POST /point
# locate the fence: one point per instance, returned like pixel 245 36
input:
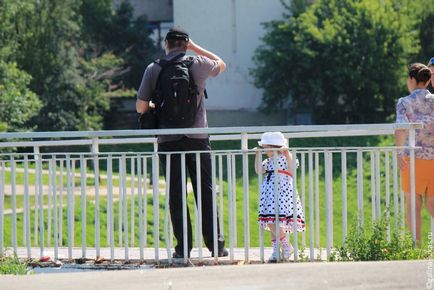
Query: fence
pixel 104 200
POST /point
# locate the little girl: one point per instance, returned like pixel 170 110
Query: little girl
pixel 267 213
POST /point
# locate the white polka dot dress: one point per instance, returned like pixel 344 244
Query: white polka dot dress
pixel 267 213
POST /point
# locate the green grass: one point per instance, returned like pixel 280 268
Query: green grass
pixel 11 265
pixel 254 229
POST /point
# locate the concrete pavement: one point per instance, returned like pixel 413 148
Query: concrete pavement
pixel 318 275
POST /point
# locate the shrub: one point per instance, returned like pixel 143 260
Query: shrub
pixel 372 245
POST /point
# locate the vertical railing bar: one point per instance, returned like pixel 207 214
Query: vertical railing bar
pixel 49 209
pixel 344 195
pixel 145 200
pixel 246 204
pixel 140 205
pixel 133 212
pixel 120 200
pixel 234 196
pixel 360 187
pixel 295 200
pixel 41 208
pixel 61 202
pixel 261 228
pixel 311 208
pixel 303 192
pixel 198 221
pixel 125 206
pixel 14 205
pixel 387 173
pixel 378 184
pixel 83 205
pixel 36 205
pixel 69 198
pixel 97 213
pixel 26 208
pixel 276 206
pixel 412 143
pixel 395 189
pixel 230 208
pixel 214 206
pixel 220 210
pixel 184 210
pixel 328 204
pixel 373 187
pixel 2 202
pixel 110 219
pixel 73 199
pixel 156 203
pixel 317 213
pixel 55 212
pixel 166 209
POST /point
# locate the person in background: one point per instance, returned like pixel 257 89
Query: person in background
pixel 204 65
pixel 430 65
pixel 417 107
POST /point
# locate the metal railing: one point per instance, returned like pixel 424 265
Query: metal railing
pixel 105 200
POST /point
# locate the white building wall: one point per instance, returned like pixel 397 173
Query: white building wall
pixel 231 29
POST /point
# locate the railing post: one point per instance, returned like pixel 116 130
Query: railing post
pixel 329 201
pixel 360 187
pixel 311 207
pixel 412 144
pixel 156 203
pixel 244 148
pixel 2 200
pixel 344 195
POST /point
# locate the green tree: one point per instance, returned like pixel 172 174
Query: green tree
pixel 119 33
pixel 73 53
pixel 342 60
pixel 17 103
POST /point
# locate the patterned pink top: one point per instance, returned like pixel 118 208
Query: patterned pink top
pixel 418 107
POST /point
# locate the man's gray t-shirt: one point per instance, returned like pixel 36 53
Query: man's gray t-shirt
pixel 201 69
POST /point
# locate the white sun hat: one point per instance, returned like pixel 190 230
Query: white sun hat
pixel 273 138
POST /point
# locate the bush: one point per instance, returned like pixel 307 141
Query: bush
pixel 12 266
pixel 372 245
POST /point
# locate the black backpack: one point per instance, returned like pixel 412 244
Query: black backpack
pixel 175 94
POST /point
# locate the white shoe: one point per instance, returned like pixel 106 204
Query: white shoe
pixel 287 251
pixel 273 257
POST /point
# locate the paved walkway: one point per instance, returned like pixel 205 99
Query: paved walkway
pixel 319 275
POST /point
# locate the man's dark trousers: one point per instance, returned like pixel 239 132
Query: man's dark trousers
pixel 175 201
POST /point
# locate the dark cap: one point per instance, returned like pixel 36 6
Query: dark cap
pixel 177 33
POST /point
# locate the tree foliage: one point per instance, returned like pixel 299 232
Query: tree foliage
pixel 342 60
pixel 70 53
pixel 17 103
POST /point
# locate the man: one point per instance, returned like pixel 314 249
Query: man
pixel 204 65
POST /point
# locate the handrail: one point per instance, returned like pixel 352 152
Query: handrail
pixel 215 130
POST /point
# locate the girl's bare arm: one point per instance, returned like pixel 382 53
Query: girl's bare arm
pixel 288 156
pixel 258 166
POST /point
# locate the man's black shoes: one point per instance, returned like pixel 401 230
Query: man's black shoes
pixel 223 252
pixel 178 256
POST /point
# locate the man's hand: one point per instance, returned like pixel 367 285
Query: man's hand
pixel 191 45
pixel 203 52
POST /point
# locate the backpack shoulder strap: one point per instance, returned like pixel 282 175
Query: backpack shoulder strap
pixel 164 63
pixel 188 61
